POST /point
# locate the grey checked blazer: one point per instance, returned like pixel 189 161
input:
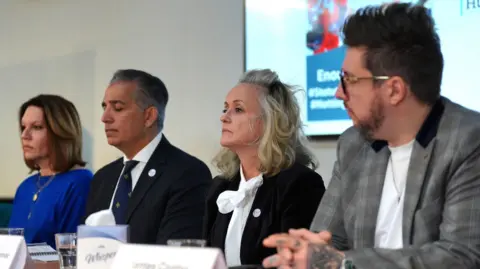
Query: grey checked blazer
pixel 441 217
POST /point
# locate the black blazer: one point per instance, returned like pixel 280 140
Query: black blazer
pixel 287 200
pixel 169 205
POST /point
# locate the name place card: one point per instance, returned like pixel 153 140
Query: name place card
pixel 13 253
pixel 134 256
pixel 97 246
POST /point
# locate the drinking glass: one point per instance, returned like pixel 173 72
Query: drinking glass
pixel 11 231
pixel 67 250
pixel 187 242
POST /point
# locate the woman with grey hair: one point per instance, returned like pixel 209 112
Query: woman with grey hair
pixel 268 182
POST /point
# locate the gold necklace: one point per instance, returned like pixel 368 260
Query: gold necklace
pixel 40 188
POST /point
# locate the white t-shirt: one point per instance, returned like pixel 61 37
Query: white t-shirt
pixel 388 232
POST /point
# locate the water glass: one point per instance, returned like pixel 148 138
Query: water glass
pixel 187 242
pixel 67 250
pixel 11 231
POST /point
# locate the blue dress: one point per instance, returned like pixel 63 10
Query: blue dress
pixel 59 207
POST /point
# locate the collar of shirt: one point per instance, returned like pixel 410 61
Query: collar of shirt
pixel 243 181
pixel 144 154
pixel 142 157
pixel 428 130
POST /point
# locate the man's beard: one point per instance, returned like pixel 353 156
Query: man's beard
pixel 368 127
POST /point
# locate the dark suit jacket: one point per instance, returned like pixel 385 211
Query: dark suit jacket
pixel 169 205
pixel 441 213
pixel 287 200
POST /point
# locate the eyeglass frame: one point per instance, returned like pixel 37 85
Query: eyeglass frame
pixel 354 79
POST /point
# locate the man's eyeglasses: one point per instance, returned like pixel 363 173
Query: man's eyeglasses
pixel 347 79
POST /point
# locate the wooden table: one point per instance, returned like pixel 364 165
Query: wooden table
pixel 46 265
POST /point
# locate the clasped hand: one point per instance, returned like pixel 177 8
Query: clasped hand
pixel 297 248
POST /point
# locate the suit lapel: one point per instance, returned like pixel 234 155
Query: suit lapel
pixel 107 189
pixel 252 232
pixel 371 194
pixel 413 189
pixel 223 220
pixel 156 163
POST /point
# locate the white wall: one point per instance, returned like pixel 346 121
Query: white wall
pixel 72 48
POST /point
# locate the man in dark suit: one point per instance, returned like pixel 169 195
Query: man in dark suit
pixel 155 188
pixel 405 189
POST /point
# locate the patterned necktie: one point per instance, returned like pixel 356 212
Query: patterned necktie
pixel 124 190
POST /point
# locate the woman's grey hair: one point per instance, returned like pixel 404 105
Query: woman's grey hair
pixel 151 91
pixel 283 142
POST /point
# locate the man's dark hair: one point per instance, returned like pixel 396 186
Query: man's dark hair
pixel 151 90
pixel 400 40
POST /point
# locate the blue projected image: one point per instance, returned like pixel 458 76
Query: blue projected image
pixel 300 39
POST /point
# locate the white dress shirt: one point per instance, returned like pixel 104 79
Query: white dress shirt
pixel 388 232
pixel 240 202
pixel 142 157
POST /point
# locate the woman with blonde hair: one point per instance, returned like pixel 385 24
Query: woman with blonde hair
pixel 268 182
pixel 52 200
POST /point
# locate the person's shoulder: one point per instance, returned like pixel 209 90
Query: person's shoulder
pixel 78 178
pixel 30 180
pixel 189 171
pixel 220 181
pixel 299 173
pixel 457 118
pixel 219 184
pixel 118 163
pixel 180 157
pixel 351 137
pixel 301 170
pixel 461 125
pixel 80 174
pixel 350 143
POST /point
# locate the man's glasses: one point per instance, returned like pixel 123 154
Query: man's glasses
pixel 347 79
